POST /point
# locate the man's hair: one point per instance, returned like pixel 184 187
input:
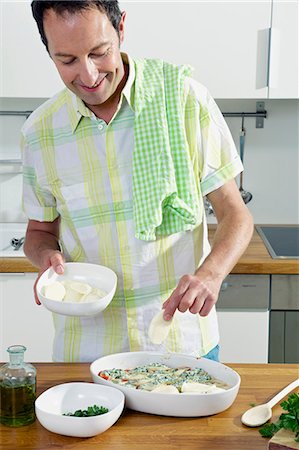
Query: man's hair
pixel 108 7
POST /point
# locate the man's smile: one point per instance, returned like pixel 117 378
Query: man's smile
pixel 94 87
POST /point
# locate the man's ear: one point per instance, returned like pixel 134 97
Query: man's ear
pixel 121 27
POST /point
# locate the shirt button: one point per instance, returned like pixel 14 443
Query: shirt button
pixel 100 126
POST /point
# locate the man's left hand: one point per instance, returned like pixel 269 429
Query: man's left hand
pixel 196 293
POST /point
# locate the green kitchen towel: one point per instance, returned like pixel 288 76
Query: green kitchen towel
pixel 165 195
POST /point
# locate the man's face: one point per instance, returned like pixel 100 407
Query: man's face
pixel 86 51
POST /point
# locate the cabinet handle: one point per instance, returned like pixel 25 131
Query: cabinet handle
pixel 274 59
pixel 224 286
pixel 262 64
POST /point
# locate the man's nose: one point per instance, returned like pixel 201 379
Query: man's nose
pixel 88 73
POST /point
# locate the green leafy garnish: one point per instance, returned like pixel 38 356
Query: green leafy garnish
pixel 90 411
pixel 252 404
pixel 269 429
pixel 288 420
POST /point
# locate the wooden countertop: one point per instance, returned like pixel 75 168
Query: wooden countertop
pixel 135 431
pixel 255 260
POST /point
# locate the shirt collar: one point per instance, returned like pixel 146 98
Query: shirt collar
pixel 128 90
pixel 77 108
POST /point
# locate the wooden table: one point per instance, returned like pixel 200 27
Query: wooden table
pixel 139 431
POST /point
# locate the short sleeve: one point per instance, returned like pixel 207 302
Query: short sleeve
pixel 38 202
pixel 218 159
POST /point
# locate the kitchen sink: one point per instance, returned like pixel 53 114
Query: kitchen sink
pixel 282 241
pixel 9 231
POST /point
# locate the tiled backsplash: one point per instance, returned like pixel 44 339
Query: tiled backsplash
pixel 271 159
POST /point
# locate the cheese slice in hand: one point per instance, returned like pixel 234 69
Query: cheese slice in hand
pixel 55 291
pixel 159 328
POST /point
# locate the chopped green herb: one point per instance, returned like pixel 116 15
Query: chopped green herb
pixel 269 429
pixel 288 420
pixel 252 404
pixel 89 412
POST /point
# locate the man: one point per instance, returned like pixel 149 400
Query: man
pixel 106 182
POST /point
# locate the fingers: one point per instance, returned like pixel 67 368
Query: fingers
pixel 34 289
pixel 172 303
pixel 191 294
pixel 57 262
pixel 54 259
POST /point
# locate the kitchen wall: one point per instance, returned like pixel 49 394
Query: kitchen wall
pixel 271 159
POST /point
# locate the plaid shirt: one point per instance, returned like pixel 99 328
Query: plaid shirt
pixel 79 168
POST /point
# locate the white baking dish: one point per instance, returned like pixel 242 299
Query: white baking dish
pixel 179 405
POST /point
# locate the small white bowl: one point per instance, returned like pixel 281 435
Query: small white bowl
pixel 178 405
pixel 69 397
pixel 97 276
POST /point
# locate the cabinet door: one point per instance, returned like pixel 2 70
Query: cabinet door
pixel 226 42
pixel 284 344
pixel 283 71
pixel 243 336
pixel 26 68
pixel 285 292
pixel 22 321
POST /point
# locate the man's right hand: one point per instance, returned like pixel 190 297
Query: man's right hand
pixel 42 247
pixel 49 258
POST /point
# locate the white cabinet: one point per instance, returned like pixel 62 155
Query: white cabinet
pixel 244 336
pixel 26 68
pixel 243 316
pixel 284 50
pixel 22 321
pixel 227 42
pixel 224 41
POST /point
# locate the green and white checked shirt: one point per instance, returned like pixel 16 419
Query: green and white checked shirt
pixel 78 167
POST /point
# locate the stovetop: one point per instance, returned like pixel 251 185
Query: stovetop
pixel 282 241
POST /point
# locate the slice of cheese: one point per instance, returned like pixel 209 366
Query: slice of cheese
pixel 94 295
pixel 159 328
pixel 72 292
pixel 191 387
pixel 76 291
pixel 166 389
pixel 55 291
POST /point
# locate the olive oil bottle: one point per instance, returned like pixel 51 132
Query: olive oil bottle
pixel 17 389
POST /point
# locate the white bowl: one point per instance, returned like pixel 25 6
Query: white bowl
pixel 69 397
pixel 97 276
pixel 178 405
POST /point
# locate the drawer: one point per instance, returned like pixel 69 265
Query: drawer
pixel 245 292
pixel 285 292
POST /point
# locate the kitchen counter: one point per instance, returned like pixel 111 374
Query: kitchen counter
pixel 255 260
pixel 135 431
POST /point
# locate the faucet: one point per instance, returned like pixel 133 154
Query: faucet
pixel 17 243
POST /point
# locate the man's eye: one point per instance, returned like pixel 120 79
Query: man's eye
pixel 97 55
pixel 68 62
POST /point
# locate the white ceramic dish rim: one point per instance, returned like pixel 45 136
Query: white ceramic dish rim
pixel 166 356
pixel 53 276
pixel 73 308
pixel 177 405
pixel 48 391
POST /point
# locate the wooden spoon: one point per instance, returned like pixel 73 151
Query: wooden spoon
pixel 258 415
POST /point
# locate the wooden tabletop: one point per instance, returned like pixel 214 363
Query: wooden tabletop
pixel 255 260
pixel 140 431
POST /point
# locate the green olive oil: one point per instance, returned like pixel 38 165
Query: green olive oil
pixel 17 389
